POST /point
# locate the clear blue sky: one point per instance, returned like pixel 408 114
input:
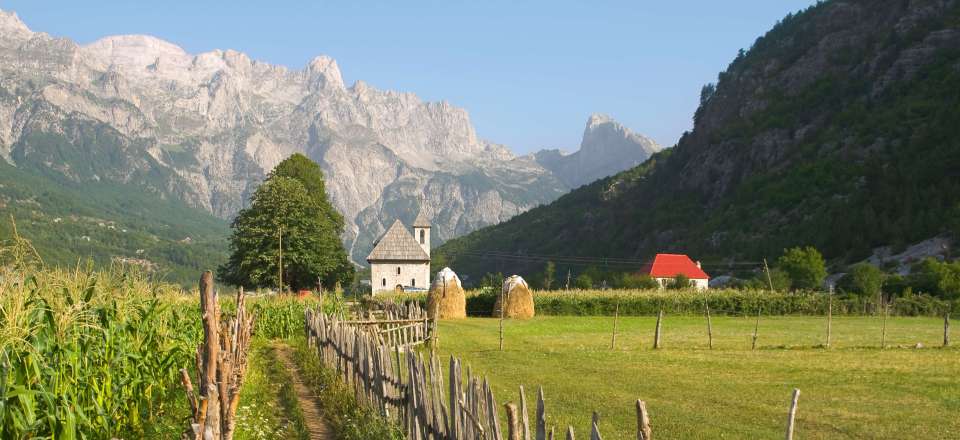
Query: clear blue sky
pixel 529 72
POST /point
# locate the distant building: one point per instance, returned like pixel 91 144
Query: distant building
pixel 400 261
pixel 665 267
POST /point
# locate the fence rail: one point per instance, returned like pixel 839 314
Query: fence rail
pixel 387 373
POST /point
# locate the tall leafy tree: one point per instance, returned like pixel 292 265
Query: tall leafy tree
pixel 290 209
pixel 804 266
pixel 308 173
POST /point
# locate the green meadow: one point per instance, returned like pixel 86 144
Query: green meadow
pixel 854 389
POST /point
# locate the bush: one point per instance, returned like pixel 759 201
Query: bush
pixel 690 302
pixel 639 281
pixel 583 281
pixel 863 279
pixel 937 278
pixel 680 282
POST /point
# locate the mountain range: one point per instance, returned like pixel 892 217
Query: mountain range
pixel 836 129
pixel 202 131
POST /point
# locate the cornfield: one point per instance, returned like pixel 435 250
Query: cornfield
pixel 85 353
pixel 93 354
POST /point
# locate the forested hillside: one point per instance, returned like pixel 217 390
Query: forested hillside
pixel 108 224
pixel 837 129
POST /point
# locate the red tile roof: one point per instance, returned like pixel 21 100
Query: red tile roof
pixel 671 265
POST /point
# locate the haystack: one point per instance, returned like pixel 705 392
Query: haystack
pixel 447 299
pixel 518 299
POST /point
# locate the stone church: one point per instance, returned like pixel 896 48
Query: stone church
pixel 399 260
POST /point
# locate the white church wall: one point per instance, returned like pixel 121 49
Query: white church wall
pixel 384 276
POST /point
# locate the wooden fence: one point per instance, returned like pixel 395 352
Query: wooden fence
pixel 388 374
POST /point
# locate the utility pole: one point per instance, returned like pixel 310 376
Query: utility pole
pixel 280 268
pixel 767 270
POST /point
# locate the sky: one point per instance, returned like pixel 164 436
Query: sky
pixel 529 73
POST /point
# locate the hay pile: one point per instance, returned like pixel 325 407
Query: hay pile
pixel 446 299
pixel 518 299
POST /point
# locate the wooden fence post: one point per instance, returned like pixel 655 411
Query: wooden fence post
pixel 209 392
pixel 706 305
pixel 221 362
pixel 524 418
pixel 643 422
pixel 513 422
pixel 792 415
pixel 656 334
pixel 756 328
pixel 946 329
pixel 616 317
pixel 595 431
pixel 541 417
pixel 830 317
pixel 883 328
pixel 503 305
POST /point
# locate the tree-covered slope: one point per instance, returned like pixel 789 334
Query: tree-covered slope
pixel 72 223
pixel 837 129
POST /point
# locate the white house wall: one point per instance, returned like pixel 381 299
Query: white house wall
pixel 697 283
pixel 384 277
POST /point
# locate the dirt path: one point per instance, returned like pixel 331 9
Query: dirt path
pixel 312 413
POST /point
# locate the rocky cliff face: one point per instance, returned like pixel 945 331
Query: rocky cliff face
pixel 206 129
pixel 607 148
pixel 836 129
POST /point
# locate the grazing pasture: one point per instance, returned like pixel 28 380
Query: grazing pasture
pixel 852 390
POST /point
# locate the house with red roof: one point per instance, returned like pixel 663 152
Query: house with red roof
pixel 665 267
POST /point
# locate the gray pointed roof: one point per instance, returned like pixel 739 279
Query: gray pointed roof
pixel 421 221
pixel 397 244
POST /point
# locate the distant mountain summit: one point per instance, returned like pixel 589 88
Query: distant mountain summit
pixel 141 112
pixel 607 148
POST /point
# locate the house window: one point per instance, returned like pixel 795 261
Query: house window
pixel 384 282
pixel 398 270
pixel 423 235
pixel 413 282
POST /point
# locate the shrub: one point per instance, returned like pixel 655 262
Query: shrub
pixel 690 302
pixel 937 278
pixel 680 282
pixel 639 281
pixel 863 279
pixel 583 281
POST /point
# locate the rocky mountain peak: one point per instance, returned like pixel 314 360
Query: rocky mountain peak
pixel 606 149
pixel 604 135
pixel 12 26
pixel 598 119
pixel 134 51
pixel 324 72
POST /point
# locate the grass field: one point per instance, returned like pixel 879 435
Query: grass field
pixel 853 390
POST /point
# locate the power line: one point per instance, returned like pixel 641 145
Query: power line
pixel 579 260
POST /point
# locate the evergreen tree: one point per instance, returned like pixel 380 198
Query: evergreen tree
pixel 291 208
